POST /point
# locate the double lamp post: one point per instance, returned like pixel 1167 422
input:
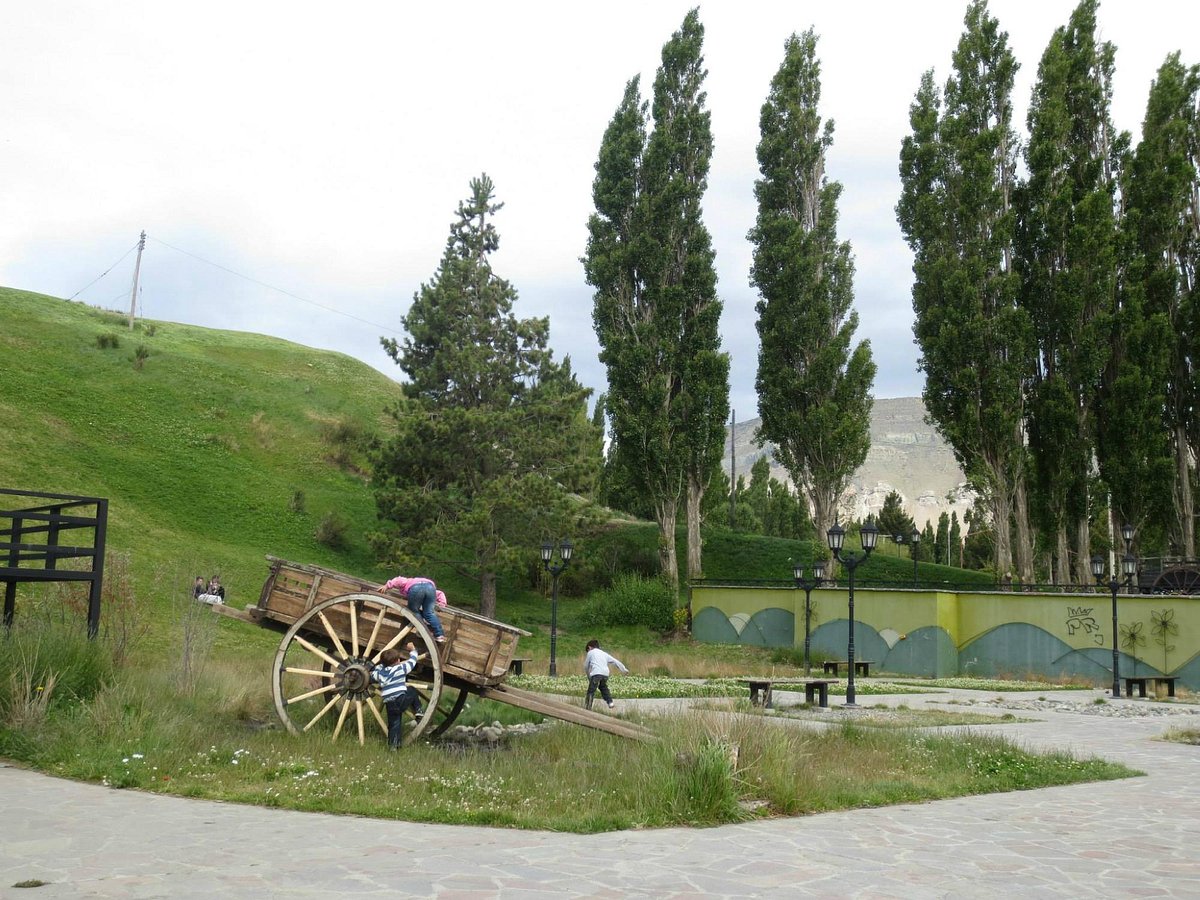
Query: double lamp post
pixel 1128 569
pixel 869 535
pixel 555 569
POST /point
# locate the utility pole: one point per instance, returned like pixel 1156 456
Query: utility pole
pixel 137 269
pixel 732 470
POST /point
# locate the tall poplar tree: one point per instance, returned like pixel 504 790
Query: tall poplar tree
pixel 958 171
pixel 656 311
pixel 1067 259
pixel 494 436
pixel 1163 227
pixel 813 391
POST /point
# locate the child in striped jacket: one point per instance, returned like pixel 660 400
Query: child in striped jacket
pixel 391 675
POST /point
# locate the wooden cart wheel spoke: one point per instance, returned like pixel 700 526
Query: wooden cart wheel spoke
pixel 401 635
pixel 374 634
pixel 305 696
pixel 378 717
pixel 326 708
pixel 447 712
pixel 341 718
pixel 311 648
pixel 317 673
pixel 332 633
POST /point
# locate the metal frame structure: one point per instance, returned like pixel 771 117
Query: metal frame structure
pixel 22 527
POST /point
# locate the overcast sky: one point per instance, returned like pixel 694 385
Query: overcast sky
pixel 322 149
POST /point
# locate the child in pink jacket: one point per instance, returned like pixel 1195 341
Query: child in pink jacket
pixel 423 598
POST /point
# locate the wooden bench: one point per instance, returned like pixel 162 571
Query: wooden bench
pixel 861 666
pixel 815 689
pixel 1142 680
pixel 517 664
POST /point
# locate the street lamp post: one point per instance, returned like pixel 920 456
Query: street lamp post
pixel 914 539
pixel 836 536
pixel 807 585
pixel 564 554
pixel 1128 569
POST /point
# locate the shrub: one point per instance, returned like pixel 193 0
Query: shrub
pixel 45 662
pixel 140 355
pixel 296 504
pixel 331 531
pixel 634 600
pixel 108 341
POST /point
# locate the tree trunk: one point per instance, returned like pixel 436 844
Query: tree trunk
pixel 667 512
pixel 1024 546
pixel 1062 565
pixel 1002 527
pixel 1183 495
pixel 695 496
pixel 487 594
pixel 824 513
pixel 1083 551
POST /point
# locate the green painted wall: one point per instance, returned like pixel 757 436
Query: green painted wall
pixel 943 633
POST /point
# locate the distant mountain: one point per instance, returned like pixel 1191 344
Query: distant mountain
pixel 907 456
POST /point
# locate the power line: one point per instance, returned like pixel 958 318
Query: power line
pixel 102 274
pixel 272 287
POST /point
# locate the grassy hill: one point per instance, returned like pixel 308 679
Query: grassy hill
pixel 203 448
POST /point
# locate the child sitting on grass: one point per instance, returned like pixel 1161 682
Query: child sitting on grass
pixel 391 675
pixel 595 664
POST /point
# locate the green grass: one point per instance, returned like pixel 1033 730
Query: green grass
pixel 1181 735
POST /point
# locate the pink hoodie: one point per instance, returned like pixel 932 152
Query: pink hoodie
pixel 402 584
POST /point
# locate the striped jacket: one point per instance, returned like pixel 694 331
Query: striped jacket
pixel 392 679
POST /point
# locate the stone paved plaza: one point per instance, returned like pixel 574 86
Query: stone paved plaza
pixel 1136 837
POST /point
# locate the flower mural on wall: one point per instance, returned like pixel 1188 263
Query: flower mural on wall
pixel 1163 626
pixel 1131 639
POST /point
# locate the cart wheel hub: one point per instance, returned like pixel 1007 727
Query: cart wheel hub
pixel 354 678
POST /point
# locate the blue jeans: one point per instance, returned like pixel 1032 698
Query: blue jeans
pixel 395 712
pixel 422 599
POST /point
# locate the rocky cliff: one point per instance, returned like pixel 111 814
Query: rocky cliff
pixel 907 456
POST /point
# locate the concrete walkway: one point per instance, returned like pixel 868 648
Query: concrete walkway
pixel 1137 837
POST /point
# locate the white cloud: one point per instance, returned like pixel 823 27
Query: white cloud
pixel 323 149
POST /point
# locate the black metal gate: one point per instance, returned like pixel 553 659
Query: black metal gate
pixel 32 547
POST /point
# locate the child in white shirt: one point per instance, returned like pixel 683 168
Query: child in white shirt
pixel 595 664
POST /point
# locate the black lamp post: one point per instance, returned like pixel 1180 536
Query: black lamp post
pixel 914 539
pixel 836 536
pixel 1128 569
pixel 807 585
pixel 564 554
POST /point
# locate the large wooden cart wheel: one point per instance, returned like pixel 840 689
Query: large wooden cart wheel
pixel 321 676
pixel 1182 579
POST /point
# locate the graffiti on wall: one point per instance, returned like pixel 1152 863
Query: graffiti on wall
pixel 1080 618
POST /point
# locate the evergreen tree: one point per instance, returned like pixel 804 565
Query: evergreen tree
pixel 893 520
pixel 758 495
pixel 940 551
pixel 1163 302
pixel 813 391
pixel 656 312
pixel 1067 259
pixel 494 435
pixel 958 170
pixel 955 541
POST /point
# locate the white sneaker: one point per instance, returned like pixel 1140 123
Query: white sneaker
pixel 612 706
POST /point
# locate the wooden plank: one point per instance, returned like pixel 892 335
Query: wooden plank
pixel 222 610
pixel 556 709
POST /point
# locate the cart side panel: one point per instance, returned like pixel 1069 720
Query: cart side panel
pixel 477 649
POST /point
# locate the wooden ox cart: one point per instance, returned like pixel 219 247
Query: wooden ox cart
pixel 335 627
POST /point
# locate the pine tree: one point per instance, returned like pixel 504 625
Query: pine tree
pixel 813 391
pixel 940 543
pixel 958 171
pixel 494 435
pixel 893 521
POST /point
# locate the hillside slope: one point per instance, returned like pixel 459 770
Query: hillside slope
pixel 202 450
